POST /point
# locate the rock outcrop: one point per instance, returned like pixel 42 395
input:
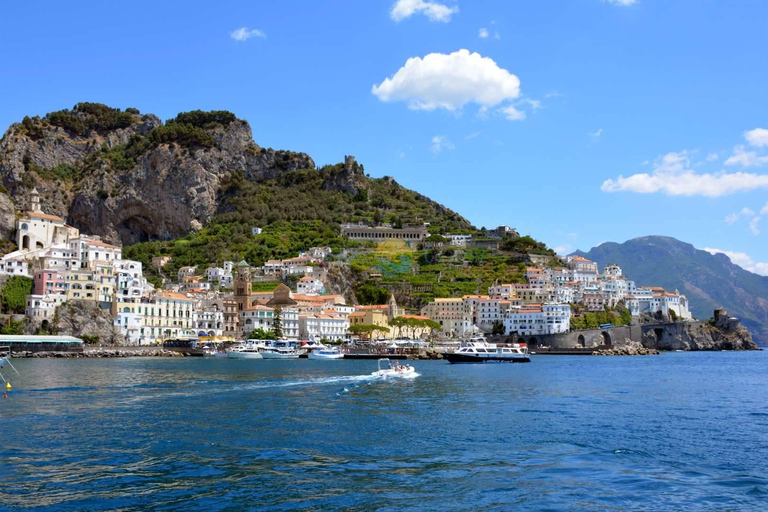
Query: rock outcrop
pixel 722 333
pixel 80 318
pixel 127 183
pixel 628 348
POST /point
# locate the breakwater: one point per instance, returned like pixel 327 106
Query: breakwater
pixel 103 352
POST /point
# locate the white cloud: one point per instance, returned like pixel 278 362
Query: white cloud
pixel 245 33
pixel 712 157
pixel 764 211
pixel 433 10
pixel 483 33
pixel 757 137
pixel 746 158
pixel 477 134
pixel 596 134
pixel 449 81
pixel 534 104
pixel 440 143
pixel 554 94
pixel 673 175
pixel 745 212
pixel 511 113
pixel 496 35
pixel 754 225
pixel 563 249
pixel 623 3
pixel 743 260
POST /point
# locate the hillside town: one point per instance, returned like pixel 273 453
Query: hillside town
pixel 220 304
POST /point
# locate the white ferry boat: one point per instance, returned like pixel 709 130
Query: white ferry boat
pixel 477 350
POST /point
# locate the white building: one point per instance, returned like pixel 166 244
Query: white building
pixel 186 272
pixel 323 326
pixel 129 325
pixel 459 240
pixel 43 307
pixel 653 300
pixel 310 286
pixel 532 320
pixel 15 267
pixel 210 322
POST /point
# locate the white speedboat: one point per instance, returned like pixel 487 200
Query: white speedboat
pixel 476 351
pixel 389 369
pixel 326 353
pixel 244 351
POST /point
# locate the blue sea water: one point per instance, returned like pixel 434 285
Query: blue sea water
pixel 680 431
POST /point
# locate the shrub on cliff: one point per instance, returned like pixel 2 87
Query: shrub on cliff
pixel 203 119
pixel 187 135
pixel 14 293
pixel 90 116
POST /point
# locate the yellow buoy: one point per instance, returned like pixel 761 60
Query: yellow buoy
pixel 8 385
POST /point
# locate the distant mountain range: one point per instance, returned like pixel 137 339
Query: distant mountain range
pixel 708 280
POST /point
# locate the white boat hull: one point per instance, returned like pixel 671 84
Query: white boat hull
pixel 313 355
pixel 388 373
pixel 268 354
pixel 244 355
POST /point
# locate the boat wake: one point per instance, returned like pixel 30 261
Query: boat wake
pixel 309 381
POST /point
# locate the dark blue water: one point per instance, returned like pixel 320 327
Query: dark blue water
pixel 677 431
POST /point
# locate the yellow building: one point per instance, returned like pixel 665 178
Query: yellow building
pixel 82 285
pixel 377 317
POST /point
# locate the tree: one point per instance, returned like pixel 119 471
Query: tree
pixel 14 294
pixel 261 334
pixel 498 328
pixel 277 323
pixel 398 322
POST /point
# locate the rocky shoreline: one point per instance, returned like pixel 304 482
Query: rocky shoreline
pixel 102 353
pixel 634 349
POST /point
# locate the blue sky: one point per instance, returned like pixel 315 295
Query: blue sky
pixel 577 122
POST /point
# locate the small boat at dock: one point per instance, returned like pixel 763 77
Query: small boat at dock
pixel 325 354
pixel 244 351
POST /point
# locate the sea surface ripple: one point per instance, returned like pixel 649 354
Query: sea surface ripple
pixel 680 431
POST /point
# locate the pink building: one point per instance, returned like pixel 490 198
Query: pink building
pixel 49 282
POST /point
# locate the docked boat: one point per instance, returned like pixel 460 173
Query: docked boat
pixel 479 351
pixel 280 353
pixel 244 351
pixel 388 369
pixel 325 353
pixel 280 349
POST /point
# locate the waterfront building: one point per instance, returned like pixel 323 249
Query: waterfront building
pixel 449 313
pixel 323 326
pixel 536 319
pixel 168 315
pixel 255 317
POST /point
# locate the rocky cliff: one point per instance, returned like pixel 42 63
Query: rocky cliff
pixel 128 177
pixel 85 318
pixel 728 335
